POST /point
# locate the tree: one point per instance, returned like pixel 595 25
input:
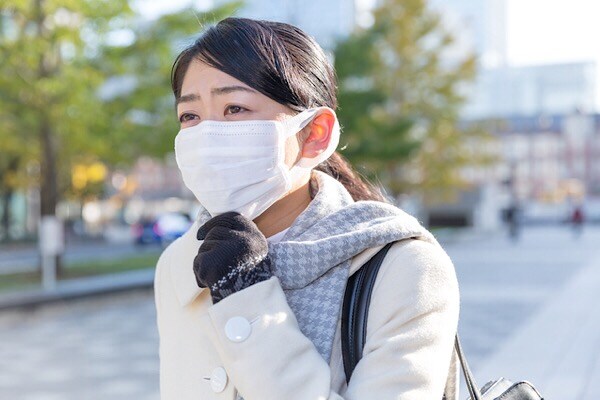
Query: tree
pixel 400 96
pixel 49 98
pixel 57 59
pixel 145 114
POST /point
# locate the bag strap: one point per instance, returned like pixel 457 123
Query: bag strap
pixel 472 387
pixel 355 312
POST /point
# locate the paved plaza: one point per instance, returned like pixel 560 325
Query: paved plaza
pixel 84 350
pixel 106 348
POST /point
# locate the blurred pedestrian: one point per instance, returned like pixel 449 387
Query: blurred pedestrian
pixel 248 300
pixel 577 219
pixel 512 219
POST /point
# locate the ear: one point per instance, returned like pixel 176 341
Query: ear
pixel 320 134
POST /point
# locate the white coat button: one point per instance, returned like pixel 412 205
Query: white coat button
pixel 237 329
pixel 218 380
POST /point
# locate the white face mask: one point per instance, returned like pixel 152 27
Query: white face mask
pixel 240 166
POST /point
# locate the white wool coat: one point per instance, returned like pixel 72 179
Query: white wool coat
pixel 206 354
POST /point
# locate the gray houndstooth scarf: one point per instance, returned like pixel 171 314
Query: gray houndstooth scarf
pixel 313 258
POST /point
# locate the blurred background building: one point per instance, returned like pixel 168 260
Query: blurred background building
pixel 545 117
pixel 479 25
pixel 534 90
pixel 327 21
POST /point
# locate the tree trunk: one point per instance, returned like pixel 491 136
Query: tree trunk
pixel 6 200
pixel 48 174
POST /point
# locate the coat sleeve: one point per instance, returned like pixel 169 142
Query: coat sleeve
pixel 411 328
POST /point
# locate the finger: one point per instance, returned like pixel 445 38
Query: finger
pixel 229 219
pixel 198 271
pixel 224 234
pixel 208 244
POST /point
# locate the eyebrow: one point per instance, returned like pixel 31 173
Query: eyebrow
pixel 186 98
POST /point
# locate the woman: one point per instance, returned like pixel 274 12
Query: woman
pixel 248 300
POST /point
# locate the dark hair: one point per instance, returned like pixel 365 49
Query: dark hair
pixel 281 62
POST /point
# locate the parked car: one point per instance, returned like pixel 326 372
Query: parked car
pixel 161 230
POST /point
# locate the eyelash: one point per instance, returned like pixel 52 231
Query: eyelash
pixel 234 106
pixel 184 117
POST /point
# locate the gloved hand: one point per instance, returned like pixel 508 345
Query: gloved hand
pixel 233 256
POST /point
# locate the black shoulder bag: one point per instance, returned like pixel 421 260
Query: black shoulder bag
pixel 354 332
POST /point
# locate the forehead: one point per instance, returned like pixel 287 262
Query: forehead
pixel 201 77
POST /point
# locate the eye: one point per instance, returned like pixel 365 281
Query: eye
pixel 234 110
pixel 186 117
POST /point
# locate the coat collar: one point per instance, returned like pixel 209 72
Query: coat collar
pixel 184 250
pixel 181 263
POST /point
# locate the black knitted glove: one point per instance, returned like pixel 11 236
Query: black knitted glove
pixel 233 256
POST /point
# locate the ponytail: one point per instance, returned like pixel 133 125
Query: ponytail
pixel 359 188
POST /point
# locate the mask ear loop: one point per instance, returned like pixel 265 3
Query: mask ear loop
pixel 299 121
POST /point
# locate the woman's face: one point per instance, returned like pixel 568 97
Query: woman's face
pixel 210 94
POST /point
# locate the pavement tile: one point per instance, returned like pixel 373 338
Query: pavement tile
pixel 558 348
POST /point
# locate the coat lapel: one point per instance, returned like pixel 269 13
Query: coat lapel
pixel 181 266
